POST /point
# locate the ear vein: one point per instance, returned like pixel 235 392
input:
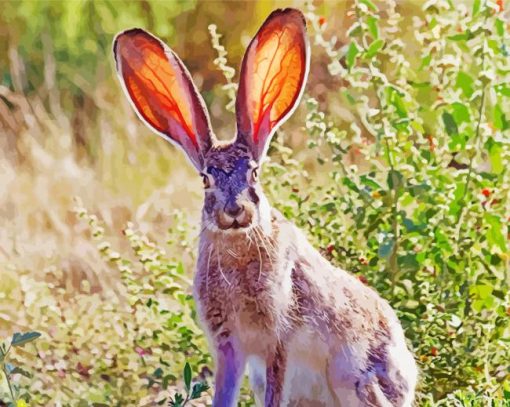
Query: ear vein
pixel 264 92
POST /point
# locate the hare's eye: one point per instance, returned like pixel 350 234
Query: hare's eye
pixel 255 174
pixel 206 181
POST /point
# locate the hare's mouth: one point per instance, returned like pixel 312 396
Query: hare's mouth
pixel 234 225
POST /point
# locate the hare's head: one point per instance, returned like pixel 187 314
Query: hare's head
pixel 272 79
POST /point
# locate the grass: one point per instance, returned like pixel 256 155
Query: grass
pixel 106 278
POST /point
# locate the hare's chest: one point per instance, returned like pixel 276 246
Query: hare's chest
pixel 239 292
pixel 242 292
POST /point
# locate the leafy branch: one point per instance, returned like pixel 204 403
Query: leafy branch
pixel 193 390
pixel 18 339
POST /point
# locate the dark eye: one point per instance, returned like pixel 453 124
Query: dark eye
pixel 206 181
pixel 255 174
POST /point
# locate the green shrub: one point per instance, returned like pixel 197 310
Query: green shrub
pixel 417 197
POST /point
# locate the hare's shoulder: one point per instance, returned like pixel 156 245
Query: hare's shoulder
pixel 331 297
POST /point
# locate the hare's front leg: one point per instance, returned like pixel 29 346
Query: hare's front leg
pixel 275 375
pixel 230 365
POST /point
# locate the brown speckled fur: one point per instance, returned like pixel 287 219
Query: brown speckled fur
pixel 236 293
pixel 310 334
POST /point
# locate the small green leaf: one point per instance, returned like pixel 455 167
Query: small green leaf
pixel 21 339
pixel 449 124
pixel 350 184
pixel 373 28
pixel 187 376
pixel 418 189
pixel 412 227
pixel 499 117
pixel 461 37
pixel 425 61
pixel 180 269
pixel 177 401
pixel 21 371
pixel 481 291
pixel 504 50
pixel 352 52
pixel 369 182
pixel 495 235
pixel 408 262
pixel 465 82
pixel 198 389
pixel 460 113
pixel 503 89
pixel 386 247
pixel 395 179
pixel 374 48
pixel 166 380
pixel 476 7
pixel 395 98
pixel 495 155
pixel 494 45
pixel 349 97
pixel 455 204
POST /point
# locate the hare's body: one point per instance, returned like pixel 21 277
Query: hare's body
pixel 343 343
pixel 312 335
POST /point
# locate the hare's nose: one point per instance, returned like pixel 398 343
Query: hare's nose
pixel 233 209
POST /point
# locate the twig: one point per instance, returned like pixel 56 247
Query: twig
pixel 472 158
pixel 4 354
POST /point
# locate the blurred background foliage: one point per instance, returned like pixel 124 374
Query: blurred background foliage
pixel 395 164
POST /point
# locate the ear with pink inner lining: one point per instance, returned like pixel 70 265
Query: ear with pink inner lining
pixel 162 92
pixel 273 75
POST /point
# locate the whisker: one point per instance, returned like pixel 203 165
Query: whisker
pixel 267 239
pixel 219 267
pixel 263 242
pixel 208 267
pixel 248 237
pixel 272 242
pixel 266 242
pixel 232 253
pixel 206 225
pixel 260 254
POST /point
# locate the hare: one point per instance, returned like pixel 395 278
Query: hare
pixel 309 333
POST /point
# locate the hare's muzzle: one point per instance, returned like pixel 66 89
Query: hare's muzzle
pixel 235 216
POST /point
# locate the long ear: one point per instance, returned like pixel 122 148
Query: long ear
pixel 273 75
pixel 162 92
